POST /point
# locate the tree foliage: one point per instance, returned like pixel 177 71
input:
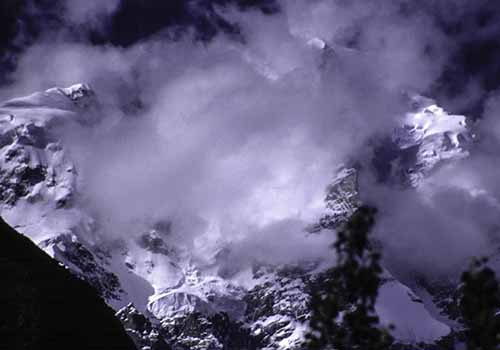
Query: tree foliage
pixel 343 311
pixel 479 305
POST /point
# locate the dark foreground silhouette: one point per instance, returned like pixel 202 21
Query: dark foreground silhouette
pixel 44 306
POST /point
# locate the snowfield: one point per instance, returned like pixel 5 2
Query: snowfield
pixel 39 191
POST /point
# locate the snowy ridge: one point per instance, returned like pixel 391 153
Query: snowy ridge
pixel 163 293
pixel 36 176
pixel 437 135
pixel 342 197
pixel 426 138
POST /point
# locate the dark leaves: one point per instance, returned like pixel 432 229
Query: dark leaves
pixel 343 309
pixel 478 305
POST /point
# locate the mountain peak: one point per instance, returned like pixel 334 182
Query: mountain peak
pixel 81 94
pixel 78 91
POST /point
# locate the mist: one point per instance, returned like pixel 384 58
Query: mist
pixel 237 139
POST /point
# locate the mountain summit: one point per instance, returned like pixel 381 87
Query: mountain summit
pixel 161 292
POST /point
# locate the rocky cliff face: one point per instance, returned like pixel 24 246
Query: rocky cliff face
pixel 165 296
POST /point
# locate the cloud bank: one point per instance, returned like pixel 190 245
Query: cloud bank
pixel 236 138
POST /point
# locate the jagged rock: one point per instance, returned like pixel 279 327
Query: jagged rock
pixel 196 331
pixel 33 165
pixel 198 294
pixel 444 294
pixel 278 308
pixel 154 243
pixel 145 335
pixel 81 94
pixel 84 263
pixel 428 137
pixel 342 198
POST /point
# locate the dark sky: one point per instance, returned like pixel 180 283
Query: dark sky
pixel 24 21
pixel 473 28
pixel 476 37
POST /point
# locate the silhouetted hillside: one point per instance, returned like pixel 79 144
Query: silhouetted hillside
pixel 43 306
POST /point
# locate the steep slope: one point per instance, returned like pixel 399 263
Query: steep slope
pixel 44 306
pixel 164 294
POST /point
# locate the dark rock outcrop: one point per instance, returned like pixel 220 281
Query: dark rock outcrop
pixel 44 306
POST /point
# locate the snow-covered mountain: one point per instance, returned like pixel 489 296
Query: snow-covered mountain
pixel 427 138
pixel 164 295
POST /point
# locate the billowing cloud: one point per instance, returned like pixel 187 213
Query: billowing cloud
pixel 239 138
